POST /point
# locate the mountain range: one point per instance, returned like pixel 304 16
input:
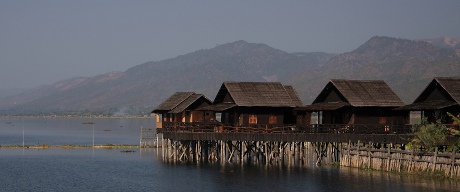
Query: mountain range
pixel 406 65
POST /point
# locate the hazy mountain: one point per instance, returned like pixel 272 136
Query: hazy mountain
pixel 142 87
pixel 445 42
pixel 406 65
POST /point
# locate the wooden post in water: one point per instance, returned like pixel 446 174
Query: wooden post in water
pixel 434 158
pixel 358 152
pixel 266 151
pixel 241 152
pixel 452 161
pixel 348 152
pixel 369 155
pixel 389 158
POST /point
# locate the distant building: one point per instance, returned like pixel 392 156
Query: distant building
pixel 181 108
pixel 253 104
pixel 354 102
pixel 442 95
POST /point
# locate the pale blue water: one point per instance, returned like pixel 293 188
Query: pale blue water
pixel 63 131
pixel 88 169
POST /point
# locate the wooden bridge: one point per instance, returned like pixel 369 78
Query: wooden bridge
pixel 275 145
pixel 289 133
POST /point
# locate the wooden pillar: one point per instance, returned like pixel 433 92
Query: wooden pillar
pixel 266 151
pixel 358 155
pixel 241 152
pixel 389 158
pixel 435 158
pixel 452 161
pixel 348 153
pixel 369 155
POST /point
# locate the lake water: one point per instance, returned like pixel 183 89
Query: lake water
pixel 72 131
pixel 88 169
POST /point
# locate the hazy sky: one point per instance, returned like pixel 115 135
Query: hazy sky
pixel 42 42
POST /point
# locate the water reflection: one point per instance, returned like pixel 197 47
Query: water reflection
pixel 90 169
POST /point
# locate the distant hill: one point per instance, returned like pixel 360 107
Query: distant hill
pixel 445 42
pixel 141 88
pixel 406 65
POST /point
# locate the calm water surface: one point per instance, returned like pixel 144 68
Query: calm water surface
pixel 74 131
pixel 88 169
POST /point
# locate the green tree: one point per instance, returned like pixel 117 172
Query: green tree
pixel 456 133
pixel 427 136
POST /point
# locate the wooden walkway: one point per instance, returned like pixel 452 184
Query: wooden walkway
pixel 290 137
pixel 291 133
pixel 351 145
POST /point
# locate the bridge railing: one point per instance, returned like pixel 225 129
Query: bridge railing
pixel 313 128
pixel 356 128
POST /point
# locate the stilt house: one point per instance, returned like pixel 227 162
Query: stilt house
pixel 181 108
pixel 442 95
pixel 345 104
pixel 253 104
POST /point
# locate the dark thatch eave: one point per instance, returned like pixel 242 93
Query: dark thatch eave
pixel 218 107
pixel 428 105
pixel 324 106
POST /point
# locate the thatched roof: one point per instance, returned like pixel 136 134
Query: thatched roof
pixel 440 93
pixel 450 84
pixel 367 93
pixel 178 102
pixel 187 102
pixel 340 93
pixel 258 94
pixel 291 91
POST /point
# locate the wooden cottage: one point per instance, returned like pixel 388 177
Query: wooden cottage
pixel 342 103
pixel 253 104
pixel 181 108
pixel 442 95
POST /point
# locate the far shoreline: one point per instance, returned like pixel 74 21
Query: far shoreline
pixel 73 116
pixel 45 146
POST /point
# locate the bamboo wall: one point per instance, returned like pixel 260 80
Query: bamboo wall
pixel 395 160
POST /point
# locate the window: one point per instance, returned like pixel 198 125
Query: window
pixel 272 119
pixel 252 119
pixel 383 120
pixel 415 117
pixel 159 118
pixel 219 117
